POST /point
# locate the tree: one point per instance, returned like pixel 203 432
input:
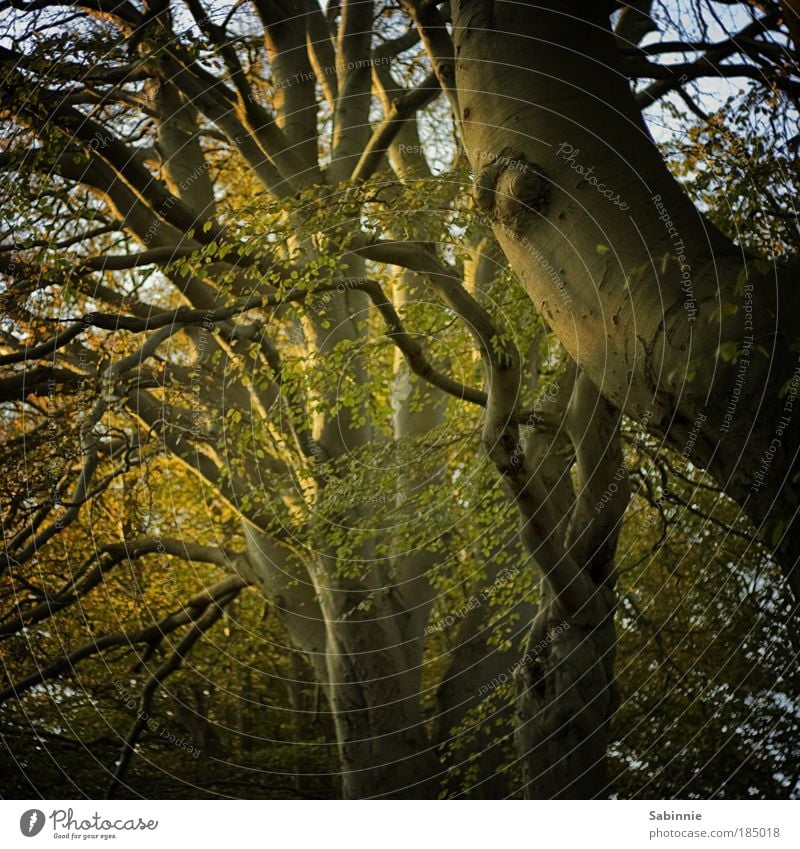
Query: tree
pixel 231 257
pixel 576 187
pixel 651 265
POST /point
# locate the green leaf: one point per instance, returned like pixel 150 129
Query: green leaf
pixel 741 280
pixel 725 308
pixel 762 266
pixel 728 352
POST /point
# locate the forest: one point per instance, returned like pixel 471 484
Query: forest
pixel 398 399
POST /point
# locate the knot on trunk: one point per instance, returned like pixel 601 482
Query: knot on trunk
pixel 509 188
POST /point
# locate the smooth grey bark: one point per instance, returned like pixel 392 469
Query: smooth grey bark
pixel 629 275
pixel 618 260
pixel 566 694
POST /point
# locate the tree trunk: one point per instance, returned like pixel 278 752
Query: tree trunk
pixel 566 694
pixel 368 670
pixel 384 748
pixel 565 698
pixel 619 261
pixel 565 681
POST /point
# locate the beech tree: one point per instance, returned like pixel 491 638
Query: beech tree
pixel 279 248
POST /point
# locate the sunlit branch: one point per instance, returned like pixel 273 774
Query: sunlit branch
pixel 402 109
pixel 89 442
pixel 501 434
pixel 434 35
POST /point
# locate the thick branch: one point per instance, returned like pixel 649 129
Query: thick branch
pixel 383 136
